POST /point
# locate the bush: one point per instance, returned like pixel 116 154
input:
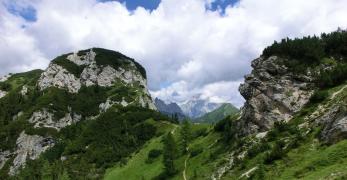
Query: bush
pixel 310 50
pixel 115 59
pixel 319 96
pixel 276 153
pixel 333 77
pixel 68 65
pixel 200 132
pixel 4 86
pixel 258 148
pixel 196 151
pixel 154 153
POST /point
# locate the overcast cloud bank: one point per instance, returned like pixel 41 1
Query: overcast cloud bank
pixel 187 49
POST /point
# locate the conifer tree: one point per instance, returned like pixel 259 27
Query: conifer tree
pixel 169 154
pixel 186 135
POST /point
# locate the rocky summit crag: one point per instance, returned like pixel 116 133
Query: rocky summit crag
pixel 38 106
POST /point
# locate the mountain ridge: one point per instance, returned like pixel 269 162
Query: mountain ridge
pixel 171 109
pixel 62 111
pixel 197 107
pixel 226 109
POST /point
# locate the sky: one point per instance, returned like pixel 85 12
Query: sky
pixel 190 48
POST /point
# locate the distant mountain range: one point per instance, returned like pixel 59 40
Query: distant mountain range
pixel 169 109
pixel 198 110
pixel 198 107
pixel 218 114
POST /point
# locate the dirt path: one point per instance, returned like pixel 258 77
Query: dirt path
pixel 174 129
pixel 185 165
pixel 338 92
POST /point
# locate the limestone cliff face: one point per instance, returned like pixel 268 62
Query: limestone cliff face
pixel 29 147
pixel 94 74
pixel 75 71
pixel 272 93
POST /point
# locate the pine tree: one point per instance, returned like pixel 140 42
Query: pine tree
pixel 64 176
pixel 186 135
pixel 170 154
pixel 46 171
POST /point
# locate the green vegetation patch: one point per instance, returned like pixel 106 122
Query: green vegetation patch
pixel 71 67
pixel 115 59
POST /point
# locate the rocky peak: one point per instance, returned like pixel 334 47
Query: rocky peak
pixel 89 67
pixel 197 107
pixel 95 66
pixel 169 109
pixel 77 86
pixel 273 93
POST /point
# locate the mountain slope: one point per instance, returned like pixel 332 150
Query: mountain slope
pixel 197 107
pixel 218 114
pixel 87 111
pixel 293 124
pixel 171 109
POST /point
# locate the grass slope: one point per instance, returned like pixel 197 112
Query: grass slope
pixel 136 167
pixel 197 165
pixel 304 157
pixel 218 114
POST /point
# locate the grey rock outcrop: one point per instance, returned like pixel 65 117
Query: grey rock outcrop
pixel 29 147
pixel 24 90
pixel 86 59
pixel 272 93
pixel 44 118
pixel 57 76
pixel 5 78
pixel 103 107
pixel 334 123
pixel 2 94
pixel 4 156
pixel 94 74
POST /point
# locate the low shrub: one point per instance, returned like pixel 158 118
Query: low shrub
pixel 319 96
pixel 276 153
pixel 154 153
pixel 196 151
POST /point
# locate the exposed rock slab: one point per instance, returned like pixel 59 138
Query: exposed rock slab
pixel 4 156
pixel 2 94
pixel 24 90
pixel 44 118
pixel 5 78
pixel 29 147
pixel 272 93
pixel 57 76
pixel 334 124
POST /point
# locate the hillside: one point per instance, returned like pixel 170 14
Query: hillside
pixel 171 109
pixel 89 116
pixel 218 114
pixel 293 124
pixel 87 111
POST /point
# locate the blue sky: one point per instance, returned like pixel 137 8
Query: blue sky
pixel 186 50
pixel 133 4
pixel 153 4
pixel 29 13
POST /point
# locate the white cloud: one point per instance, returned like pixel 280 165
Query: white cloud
pixel 180 42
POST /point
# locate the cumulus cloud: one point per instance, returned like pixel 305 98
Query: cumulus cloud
pixel 190 49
